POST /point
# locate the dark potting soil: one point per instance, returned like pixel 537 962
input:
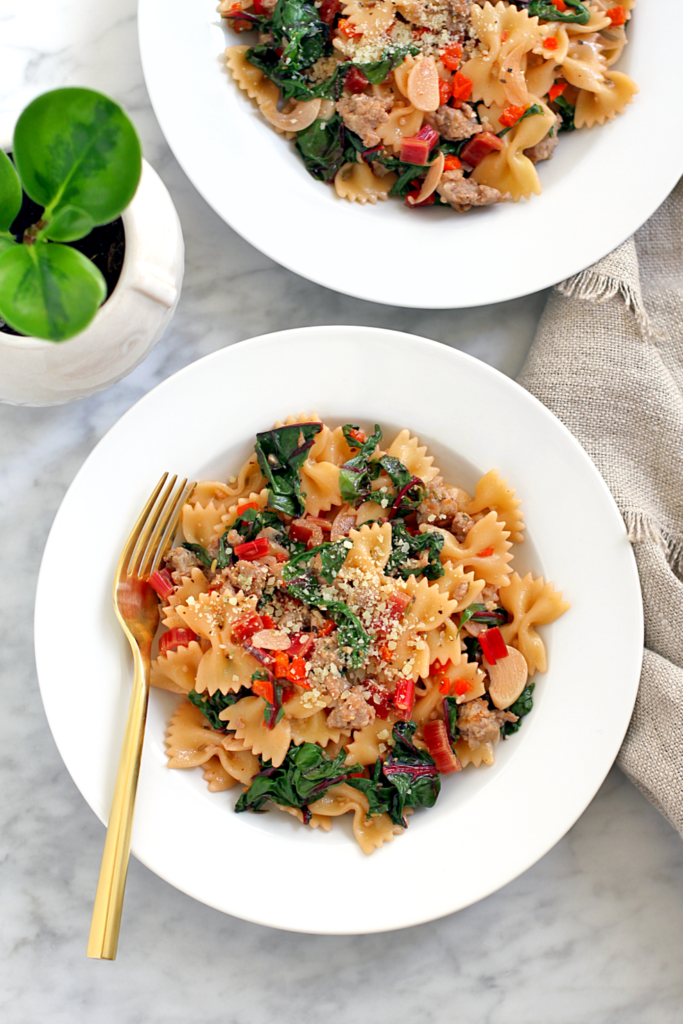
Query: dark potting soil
pixel 104 246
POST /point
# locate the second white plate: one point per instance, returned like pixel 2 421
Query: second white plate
pixel 598 189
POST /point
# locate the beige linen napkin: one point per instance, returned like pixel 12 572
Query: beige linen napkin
pixel 608 361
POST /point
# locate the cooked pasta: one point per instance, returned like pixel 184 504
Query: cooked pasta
pixel 436 102
pixel 349 632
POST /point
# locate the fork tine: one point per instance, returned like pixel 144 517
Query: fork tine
pixel 165 531
pixel 148 528
pixel 135 532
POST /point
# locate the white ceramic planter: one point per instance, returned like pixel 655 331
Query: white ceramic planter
pixel 126 327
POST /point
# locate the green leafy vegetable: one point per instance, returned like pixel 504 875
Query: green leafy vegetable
pixel 478 613
pixel 408 778
pixel 531 112
pixel 211 707
pixel 407 549
pixel 297 28
pixel 521 707
pixel 352 638
pixel 293 83
pixel 322 147
pixel 377 70
pixel 547 10
pixel 281 453
pixel 567 112
pixel 450 707
pixel 332 556
pixel 303 777
pixel 473 648
pixel 356 475
pixel 409 488
pixel 201 553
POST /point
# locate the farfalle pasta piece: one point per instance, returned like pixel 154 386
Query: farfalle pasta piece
pixel 483 754
pixel 200 523
pixel 371 741
pixel 408 450
pixel 359 184
pixel 259 498
pixel 191 741
pixel 216 777
pixel 177 670
pixel 372 19
pixel 429 609
pixel 444 644
pixel 313 729
pixel 370 832
pixel 493 494
pixel 496 67
pixel 531 602
pixel 403 122
pixel 190 586
pixel 427 703
pixel 370 549
pixel 584 65
pixel 245 717
pixel 485 550
pixel 468 672
pixel 320 821
pixel 604 105
pixel 460 586
pixel 508 169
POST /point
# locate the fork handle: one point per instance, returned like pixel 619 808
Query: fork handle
pixel 106 917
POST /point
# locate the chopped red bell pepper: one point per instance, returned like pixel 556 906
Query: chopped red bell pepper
pixel 493 645
pixel 414 151
pixel 452 56
pixel 404 697
pixel 297 670
pixel 179 636
pixel 462 88
pixel 437 667
pixel 253 549
pixel 445 686
pixel 438 746
pixel 241 509
pixel 245 626
pixel 350 30
pixel 511 115
pixel 486 552
pixel 357 435
pixel 281 665
pixel 474 151
pixel 300 644
pixel 355 81
pixel 324 524
pixel 380 699
pixel 452 163
pixel 412 195
pixel 617 15
pixel 550 43
pixel 397 603
pixel 298 531
pixel 560 4
pixel 428 135
pixel 556 90
pixel 328 628
pixel 162 582
pixel 461 687
pixel 444 91
pixel 264 688
pixel 385 654
pixel 259 8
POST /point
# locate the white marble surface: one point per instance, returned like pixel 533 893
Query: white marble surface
pixel 593 933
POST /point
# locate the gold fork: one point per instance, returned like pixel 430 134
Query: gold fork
pixel 137 609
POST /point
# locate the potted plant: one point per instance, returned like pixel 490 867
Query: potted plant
pixel 91 251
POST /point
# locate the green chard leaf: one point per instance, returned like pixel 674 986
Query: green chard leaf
pixel 211 707
pixel 521 707
pixel 407 549
pixel 298 29
pixel 356 475
pixel 332 556
pixel 545 9
pixel 281 453
pixel 322 147
pixel 567 112
pixel 303 777
pixel 450 707
pixel 410 489
pixel 408 778
pixel 201 553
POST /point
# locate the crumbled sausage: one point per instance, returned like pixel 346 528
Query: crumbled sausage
pixel 248 577
pixel 477 723
pixel 544 149
pixel 456 123
pixel 439 506
pixel 180 561
pixel 461 526
pixel 353 711
pixel 364 114
pixel 325 667
pixel 462 192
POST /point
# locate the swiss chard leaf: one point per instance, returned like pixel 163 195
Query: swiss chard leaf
pixel 281 452
pixel 332 556
pixel 211 707
pixel 409 488
pixel 478 613
pixel 201 553
pixel 352 638
pixel 472 648
pixel 408 778
pixel 297 28
pixel 293 83
pixel 356 475
pixel 450 708
pixel 567 112
pixel 580 15
pixel 305 775
pixel 323 147
pixel 531 112
pixel 521 707
pixel 377 70
pixel 407 549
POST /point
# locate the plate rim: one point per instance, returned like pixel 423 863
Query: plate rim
pixel 457 356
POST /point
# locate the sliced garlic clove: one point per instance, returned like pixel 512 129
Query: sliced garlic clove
pixel 423 85
pixel 508 678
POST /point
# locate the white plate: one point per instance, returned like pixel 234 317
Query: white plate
pixel 489 824
pixel 599 188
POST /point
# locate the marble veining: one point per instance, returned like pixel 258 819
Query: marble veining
pixel 592 933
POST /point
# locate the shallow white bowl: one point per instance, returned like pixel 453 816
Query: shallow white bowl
pixel 599 188
pixel 488 824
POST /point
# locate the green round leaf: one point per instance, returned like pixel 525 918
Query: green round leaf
pixel 76 147
pixel 49 291
pixel 10 192
pixel 69 224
